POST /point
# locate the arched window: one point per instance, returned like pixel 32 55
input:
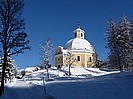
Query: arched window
pixel 90 59
pixel 58 59
pixel 78 58
pixel 59 67
pixel 81 34
pixel 75 35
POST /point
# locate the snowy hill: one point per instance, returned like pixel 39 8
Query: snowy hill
pixel 83 84
pixel 76 73
pixel 114 86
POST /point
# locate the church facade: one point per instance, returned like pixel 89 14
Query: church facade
pixel 82 52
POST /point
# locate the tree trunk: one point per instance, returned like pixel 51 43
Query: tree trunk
pixel 3 73
pixel 47 73
pixel 69 70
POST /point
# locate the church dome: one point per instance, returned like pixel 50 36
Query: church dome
pixel 79 44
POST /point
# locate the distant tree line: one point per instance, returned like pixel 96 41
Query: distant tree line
pixel 119 40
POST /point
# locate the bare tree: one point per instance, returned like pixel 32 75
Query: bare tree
pixel 46 54
pixel 12 35
pixel 70 60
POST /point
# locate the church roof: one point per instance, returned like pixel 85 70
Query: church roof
pixel 79 44
pixel 79 30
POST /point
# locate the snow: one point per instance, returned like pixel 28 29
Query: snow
pixel 31 69
pixel 77 71
pixel 79 30
pixel 65 52
pixel 22 90
pixel 117 86
pixel 84 83
pixel 78 43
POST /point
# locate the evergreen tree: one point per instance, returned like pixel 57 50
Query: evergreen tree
pixel 119 43
pixel 131 43
pixel 11 69
pixel 111 39
pixel 124 47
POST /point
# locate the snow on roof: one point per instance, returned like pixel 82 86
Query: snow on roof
pixel 30 68
pixel 64 51
pixel 60 47
pixel 79 30
pixel 78 43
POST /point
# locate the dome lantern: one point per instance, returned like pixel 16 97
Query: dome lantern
pixel 79 33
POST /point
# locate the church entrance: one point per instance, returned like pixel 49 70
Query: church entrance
pixel 59 67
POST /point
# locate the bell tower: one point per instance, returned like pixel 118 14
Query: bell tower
pixel 79 33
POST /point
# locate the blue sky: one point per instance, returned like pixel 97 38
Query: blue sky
pixel 57 19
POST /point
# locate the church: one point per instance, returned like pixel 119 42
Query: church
pixel 81 50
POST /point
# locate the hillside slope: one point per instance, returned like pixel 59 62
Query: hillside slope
pixel 113 86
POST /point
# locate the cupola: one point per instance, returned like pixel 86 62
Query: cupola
pixel 79 33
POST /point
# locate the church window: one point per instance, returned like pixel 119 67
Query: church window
pixel 58 59
pixel 90 59
pixel 75 34
pixel 78 58
pixel 59 67
pixel 81 35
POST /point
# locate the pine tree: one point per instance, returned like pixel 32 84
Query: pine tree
pixel 119 43
pixel 131 43
pixel 11 70
pixel 111 35
pixel 123 39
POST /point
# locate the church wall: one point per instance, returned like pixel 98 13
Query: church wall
pixel 90 60
pixel 86 59
pixel 78 35
pixel 78 62
pixel 59 60
pixel 64 61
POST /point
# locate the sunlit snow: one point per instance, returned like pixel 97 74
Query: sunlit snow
pixel 84 83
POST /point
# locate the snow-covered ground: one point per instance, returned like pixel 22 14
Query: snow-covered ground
pixel 114 86
pixel 84 83
pixel 76 73
pixel 23 90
